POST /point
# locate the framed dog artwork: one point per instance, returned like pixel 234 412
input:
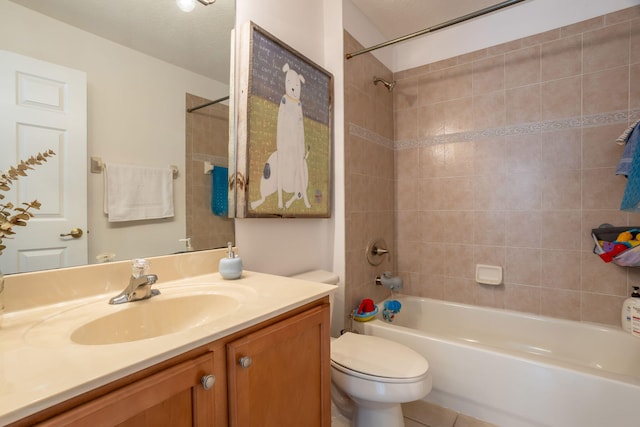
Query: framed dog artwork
pixel 285 135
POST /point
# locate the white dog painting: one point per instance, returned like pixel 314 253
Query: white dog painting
pixel 286 168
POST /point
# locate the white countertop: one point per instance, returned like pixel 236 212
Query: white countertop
pixel 40 366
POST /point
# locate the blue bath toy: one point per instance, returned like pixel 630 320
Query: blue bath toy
pixel 390 308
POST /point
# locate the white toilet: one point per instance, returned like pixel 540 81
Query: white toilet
pixel 372 376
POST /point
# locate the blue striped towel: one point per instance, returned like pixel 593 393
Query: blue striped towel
pixel 632 137
pixel 631 197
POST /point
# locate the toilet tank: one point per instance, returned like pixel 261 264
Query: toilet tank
pixel 320 276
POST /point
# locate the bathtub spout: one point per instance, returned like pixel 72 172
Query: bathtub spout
pixel 388 281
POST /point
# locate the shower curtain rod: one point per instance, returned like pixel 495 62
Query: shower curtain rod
pixel 437 27
pixel 206 104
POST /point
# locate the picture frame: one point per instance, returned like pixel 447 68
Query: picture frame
pixel 285 131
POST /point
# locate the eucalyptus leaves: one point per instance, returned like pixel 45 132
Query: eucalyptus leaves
pixel 11 215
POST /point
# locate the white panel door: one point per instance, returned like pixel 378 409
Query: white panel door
pixel 43 106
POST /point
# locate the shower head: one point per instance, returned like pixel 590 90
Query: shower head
pixel 387 84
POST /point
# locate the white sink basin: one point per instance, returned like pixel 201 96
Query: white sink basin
pixel 154 317
pixel 176 309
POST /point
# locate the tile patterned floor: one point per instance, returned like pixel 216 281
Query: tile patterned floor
pixel 422 414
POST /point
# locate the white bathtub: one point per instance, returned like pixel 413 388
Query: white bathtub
pixel 518 370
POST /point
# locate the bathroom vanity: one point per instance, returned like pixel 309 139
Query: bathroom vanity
pixel 264 362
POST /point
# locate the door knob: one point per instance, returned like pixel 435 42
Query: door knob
pixel 245 361
pixel 76 233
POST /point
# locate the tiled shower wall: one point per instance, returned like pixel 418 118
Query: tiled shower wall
pixel 369 175
pixel 207 139
pixel 504 156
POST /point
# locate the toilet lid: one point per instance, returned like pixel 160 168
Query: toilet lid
pixel 377 356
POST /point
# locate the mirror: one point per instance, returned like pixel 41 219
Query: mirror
pixel 146 62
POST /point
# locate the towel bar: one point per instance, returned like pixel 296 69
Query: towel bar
pixel 97 166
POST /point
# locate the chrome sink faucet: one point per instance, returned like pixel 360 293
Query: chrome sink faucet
pixel 140 283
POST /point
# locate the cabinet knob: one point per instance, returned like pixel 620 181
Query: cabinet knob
pixel 245 361
pixel 208 381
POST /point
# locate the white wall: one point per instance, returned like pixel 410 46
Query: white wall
pixel 517 21
pixel 129 119
pixel 289 246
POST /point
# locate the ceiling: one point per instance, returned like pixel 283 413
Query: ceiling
pixel 396 18
pixel 200 40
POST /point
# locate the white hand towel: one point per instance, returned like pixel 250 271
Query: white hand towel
pixel 137 192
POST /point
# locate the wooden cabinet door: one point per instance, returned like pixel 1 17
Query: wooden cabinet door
pixel 280 375
pixel 174 397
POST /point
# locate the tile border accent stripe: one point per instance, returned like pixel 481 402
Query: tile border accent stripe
pixel 370 136
pixel 523 129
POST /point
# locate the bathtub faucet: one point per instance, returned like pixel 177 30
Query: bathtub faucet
pixel 388 281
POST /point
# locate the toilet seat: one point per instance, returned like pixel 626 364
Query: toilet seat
pixel 377 359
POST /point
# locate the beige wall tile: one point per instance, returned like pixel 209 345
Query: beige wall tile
pixel 405 93
pixel 599 147
pixel 601 308
pixel 523 191
pixel 523 266
pixel 602 189
pixel 488 75
pixel 489 228
pixel 489 110
pixel 561 269
pixel 490 156
pixel 601 277
pixel 522 67
pixel 406 124
pixel 431 120
pixel 562 58
pixel 561 98
pixel 606 91
pixel 523 104
pixel 491 193
pixel 522 298
pixel 562 150
pixel 634 50
pixel 561 190
pixel 626 14
pixel 524 153
pixel 606 47
pixel 561 230
pixel 458 115
pixel 560 303
pixel 580 27
pixel 524 229
pixel 634 95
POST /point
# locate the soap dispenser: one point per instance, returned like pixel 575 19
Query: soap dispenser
pixel 230 268
pixel 631 305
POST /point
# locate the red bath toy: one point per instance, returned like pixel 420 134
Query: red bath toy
pixel 366 306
